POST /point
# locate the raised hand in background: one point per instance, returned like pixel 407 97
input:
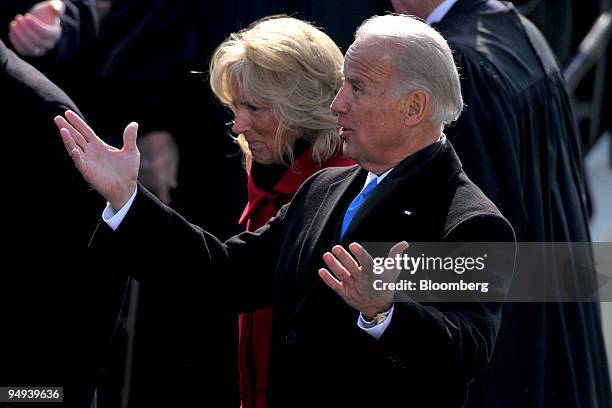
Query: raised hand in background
pixel 39 30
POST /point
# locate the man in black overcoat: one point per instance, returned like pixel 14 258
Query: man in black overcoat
pixel 336 342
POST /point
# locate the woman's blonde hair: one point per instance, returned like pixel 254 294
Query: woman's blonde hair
pixel 292 67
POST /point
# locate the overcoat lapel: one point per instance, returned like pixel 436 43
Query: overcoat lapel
pixel 324 230
pixel 463 7
pixel 322 234
pixel 402 177
pixel 377 198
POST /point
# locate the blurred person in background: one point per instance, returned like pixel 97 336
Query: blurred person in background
pixel 279 78
pixel 518 141
pixel 39 30
pixel 565 24
pixel 159 163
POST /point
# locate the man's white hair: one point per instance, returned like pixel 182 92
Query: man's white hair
pixel 423 61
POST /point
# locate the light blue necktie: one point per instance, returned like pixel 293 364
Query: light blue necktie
pixel 355 204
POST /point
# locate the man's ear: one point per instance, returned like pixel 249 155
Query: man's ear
pixel 417 107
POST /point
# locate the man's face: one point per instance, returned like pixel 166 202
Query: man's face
pixel 369 114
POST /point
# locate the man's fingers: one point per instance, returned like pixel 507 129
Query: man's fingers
pixel 22 43
pixel 58 6
pixel 46 35
pixel 336 267
pixel 397 250
pixel 330 280
pixel 32 38
pixel 73 149
pixel 68 140
pixel 16 41
pixel 362 256
pixel 35 29
pixel 82 127
pixel 48 11
pixel 129 137
pixel 61 123
pixel 345 258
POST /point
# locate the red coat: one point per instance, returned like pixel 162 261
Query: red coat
pixel 256 327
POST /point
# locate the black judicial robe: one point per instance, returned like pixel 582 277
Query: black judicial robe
pixel 517 140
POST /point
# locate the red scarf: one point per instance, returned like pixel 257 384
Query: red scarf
pixel 256 327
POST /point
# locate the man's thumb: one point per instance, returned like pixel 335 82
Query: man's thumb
pixel 48 12
pixel 59 7
pixel 129 136
pixel 398 249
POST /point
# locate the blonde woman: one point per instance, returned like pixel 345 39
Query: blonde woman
pixel 279 77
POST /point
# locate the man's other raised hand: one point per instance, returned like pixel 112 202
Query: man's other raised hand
pixel 111 172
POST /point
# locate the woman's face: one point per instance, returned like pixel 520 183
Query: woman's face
pixel 258 125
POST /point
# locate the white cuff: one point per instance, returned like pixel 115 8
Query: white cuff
pixel 114 219
pixel 376 330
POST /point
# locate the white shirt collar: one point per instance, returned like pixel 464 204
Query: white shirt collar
pixel 372 176
pixel 439 12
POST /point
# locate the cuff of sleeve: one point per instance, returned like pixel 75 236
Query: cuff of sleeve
pixel 114 219
pixel 375 330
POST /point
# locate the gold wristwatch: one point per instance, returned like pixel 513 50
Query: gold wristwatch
pixel 378 318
